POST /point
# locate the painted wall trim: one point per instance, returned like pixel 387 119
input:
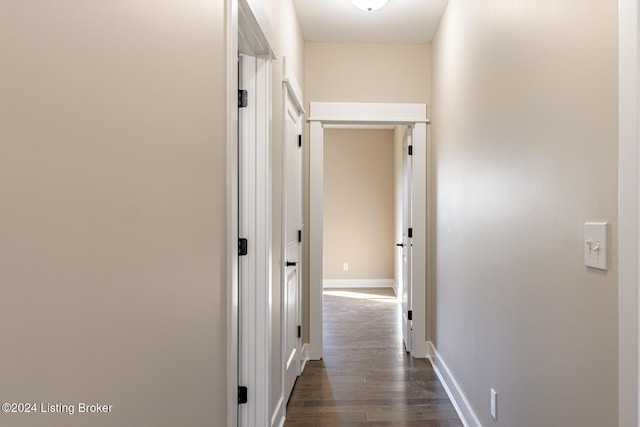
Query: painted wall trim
pixel 316 201
pixel 628 199
pixel 304 355
pixel 255 225
pixel 390 126
pixel 289 79
pixel 359 283
pixel 258 14
pixel 353 112
pixel 457 397
pixel 231 7
pixel 277 419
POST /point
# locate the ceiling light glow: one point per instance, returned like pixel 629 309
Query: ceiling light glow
pixel 369 5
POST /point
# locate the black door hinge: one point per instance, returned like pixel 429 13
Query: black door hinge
pixel 242 394
pixel 299 236
pixel 242 247
pixel 411 150
pixel 299 140
pixel 410 232
pixel 299 331
pixel 243 98
pixel 410 315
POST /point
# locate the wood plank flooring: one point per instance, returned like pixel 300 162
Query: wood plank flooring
pixel 366 378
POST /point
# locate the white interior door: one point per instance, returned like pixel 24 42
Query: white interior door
pixel 292 244
pixel 407 239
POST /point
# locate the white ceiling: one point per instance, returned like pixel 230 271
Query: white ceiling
pixel 339 21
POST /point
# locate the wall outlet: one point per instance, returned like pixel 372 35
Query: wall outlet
pixel 345 266
pixel 494 404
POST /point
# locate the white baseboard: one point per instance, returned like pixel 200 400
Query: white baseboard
pixel 457 397
pixel 396 289
pixel 358 283
pixel 304 355
pixel 277 419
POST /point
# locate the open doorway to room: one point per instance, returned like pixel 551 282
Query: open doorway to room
pixel 367 217
pixel 325 118
pixel 367 206
pixel 359 211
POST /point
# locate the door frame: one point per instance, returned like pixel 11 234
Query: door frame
pixel 628 212
pixel 346 113
pixel 248 31
pixel 255 278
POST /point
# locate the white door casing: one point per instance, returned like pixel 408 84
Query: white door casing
pixel 628 212
pixel 248 32
pixel 231 7
pixel 292 230
pixel 407 239
pixel 254 225
pixel 335 113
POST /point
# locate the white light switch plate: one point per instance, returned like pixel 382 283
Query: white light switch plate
pixel 595 245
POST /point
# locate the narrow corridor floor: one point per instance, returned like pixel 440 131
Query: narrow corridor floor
pixel 366 378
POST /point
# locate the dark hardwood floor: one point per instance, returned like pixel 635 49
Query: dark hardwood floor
pixel 366 378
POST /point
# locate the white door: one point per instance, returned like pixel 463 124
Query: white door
pixel 407 183
pixel 292 230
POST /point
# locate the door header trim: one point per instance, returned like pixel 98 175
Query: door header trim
pixel 363 113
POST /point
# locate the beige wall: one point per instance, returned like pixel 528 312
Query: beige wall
pixel 288 42
pixel 525 130
pixel 114 249
pixel 346 72
pixel 113 188
pixel 358 204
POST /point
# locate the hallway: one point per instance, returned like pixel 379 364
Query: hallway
pixel 366 378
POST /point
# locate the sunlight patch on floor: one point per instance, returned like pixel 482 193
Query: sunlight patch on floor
pixel 362 295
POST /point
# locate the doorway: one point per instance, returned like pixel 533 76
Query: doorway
pixel 367 170
pixel 414 116
pixel 359 212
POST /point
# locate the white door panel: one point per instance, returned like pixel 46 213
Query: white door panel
pixel 407 184
pixel 292 227
pixel 291 357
